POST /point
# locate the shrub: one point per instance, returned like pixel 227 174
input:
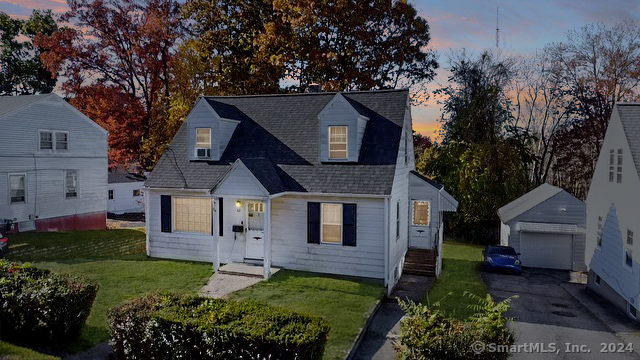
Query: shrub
pixel 41 307
pixel 426 333
pixel 173 326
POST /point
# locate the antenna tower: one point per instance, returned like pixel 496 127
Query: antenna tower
pixel 497 30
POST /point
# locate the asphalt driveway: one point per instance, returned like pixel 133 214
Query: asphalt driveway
pixel 556 319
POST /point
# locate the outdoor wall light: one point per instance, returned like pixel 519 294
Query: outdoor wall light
pixel 238 203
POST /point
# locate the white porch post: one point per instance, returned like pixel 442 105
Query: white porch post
pixel 216 240
pixel 267 239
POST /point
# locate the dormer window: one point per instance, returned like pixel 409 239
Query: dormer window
pixel 203 143
pixel 337 142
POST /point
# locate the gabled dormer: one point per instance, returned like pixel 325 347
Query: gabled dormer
pixel 209 133
pixel 341 131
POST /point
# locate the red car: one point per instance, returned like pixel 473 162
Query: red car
pixel 4 246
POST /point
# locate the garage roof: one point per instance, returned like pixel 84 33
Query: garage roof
pixel 527 201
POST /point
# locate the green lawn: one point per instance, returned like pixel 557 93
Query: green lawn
pixel 345 303
pixel 14 352
pixel 461 267
pixel 116 260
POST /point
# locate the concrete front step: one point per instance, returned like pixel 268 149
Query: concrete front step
pixel 244 269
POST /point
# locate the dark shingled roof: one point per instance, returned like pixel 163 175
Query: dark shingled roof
pixel 119 175
pixel 630 118
pixel 436 185
pixel 277 139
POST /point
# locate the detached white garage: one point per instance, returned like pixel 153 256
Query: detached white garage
pixel 546 226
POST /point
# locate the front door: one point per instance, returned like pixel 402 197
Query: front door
pixel 420 220
pixel 255 230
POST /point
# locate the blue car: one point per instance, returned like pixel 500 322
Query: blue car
pixel 503 258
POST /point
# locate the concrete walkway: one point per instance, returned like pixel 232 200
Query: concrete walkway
pixel 384 328
pixel 233 277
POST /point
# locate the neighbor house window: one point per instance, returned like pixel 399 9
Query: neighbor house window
pixel 192 215
pixel 203 142
pixel 406 150
pixel 70 184
pixel 612 159
pixel 420 213
pixel 46 140
pixel 54 140
pixel 331 219
pixel 629 237
pixel 136 192
pixel 62 140
pixel 18 188
pixel 628 259
pixel 632 311
pixel 110 193
pixel 619 173
pixel 337 142
pixel 599 235
pixel 597 280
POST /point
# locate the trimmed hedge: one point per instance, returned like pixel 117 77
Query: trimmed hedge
pixel 426 333
pixel 42 307
pixel 170 326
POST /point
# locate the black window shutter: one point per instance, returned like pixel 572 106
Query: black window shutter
pixel 165 213
pixel 313 223
pixel 220 216
pixel 349 224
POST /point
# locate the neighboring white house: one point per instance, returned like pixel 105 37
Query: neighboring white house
pixel 547 227
pixel 53 163
pixel 320 182
pixel 613 211
pixel 124 192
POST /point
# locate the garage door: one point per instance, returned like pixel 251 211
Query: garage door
pixel 550 251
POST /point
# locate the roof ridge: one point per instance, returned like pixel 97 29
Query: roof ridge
pixel 305 94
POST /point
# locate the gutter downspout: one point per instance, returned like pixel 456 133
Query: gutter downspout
pixel 386 245
pixel 147 196
pixel 266 262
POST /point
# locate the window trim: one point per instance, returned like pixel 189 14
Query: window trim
pixel 627 255
pixel 64 184
pixel 55 140
pixel 173 216
pixel 346 142
pixel 26 188
pixel 397 220
pixel 413 205
pixel 54 147
pixel 629 307
pixel 198 145
pixel 599 232
pixel 339 205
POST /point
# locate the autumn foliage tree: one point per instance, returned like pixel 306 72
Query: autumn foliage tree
pixel 21 71
pixel 122 49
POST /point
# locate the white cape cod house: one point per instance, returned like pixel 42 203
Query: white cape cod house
pixel 321 182
pixel 613 211
pixel 53 166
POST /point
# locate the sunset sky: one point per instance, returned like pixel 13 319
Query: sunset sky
pixel 525 26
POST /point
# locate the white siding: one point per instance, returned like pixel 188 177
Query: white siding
pixel 339 112
pixel 123 200
pixel 602 193
pixel 175 245
pixel 400 192
pixel 291 250
pixel 19 153
pixel 203 116
pixel 612 201
pixel 240 181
